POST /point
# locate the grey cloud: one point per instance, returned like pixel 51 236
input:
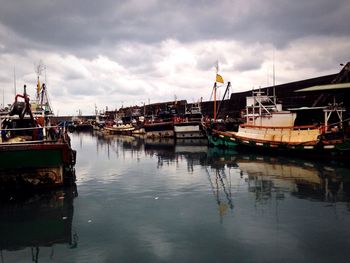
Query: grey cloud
pixel 75 38
pixel 75 25
pixel 248 64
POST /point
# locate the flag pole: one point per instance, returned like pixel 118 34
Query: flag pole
pixel 215 102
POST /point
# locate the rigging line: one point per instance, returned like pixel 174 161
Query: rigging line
pixel 335 123
pixel 228 197
pixel 211 183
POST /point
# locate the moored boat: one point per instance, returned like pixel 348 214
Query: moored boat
pixel 162 125
pixel 33 153
pixel 191 125
pixel 80 125
pixel 267 126
pixel 120 129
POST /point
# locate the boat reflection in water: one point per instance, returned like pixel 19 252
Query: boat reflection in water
pixel 221 186
pixel 165 200
pixel 301 179
pixel 31 222
pixel 269 176
pixel 265 175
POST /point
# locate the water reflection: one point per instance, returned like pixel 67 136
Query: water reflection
pixel 180 201
pixel 220 185
pixel 31 221
pixel 272 175
pixel 266 176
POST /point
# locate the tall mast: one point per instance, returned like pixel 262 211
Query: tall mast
pixel 273 77
pixel 214 101
pixel 14 79
pixel 214 88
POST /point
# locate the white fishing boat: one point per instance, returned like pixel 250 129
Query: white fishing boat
pixel 267 126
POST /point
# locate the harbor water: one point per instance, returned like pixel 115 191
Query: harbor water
pixel 143 200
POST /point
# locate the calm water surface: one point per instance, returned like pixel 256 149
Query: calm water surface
pixel 159 201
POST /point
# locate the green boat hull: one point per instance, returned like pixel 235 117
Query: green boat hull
pixel 221 141
pixel 35 165
pixel 336 150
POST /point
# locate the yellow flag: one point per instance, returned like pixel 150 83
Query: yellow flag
pixel 219 78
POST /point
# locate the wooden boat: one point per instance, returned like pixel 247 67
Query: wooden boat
pixel 120 129
pixel 191 125
pixel 269 127
pixel 32 152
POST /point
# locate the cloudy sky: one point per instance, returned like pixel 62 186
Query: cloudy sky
pixel 115 52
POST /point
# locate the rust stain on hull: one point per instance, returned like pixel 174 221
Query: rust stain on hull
pixel 34 177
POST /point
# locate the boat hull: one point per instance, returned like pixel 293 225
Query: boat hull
pixel 331 148
pixel 188 130
pixel 120 130
pixel 221 139
pixel 36 165
pixel 159 130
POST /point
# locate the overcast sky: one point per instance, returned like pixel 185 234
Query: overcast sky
pixel 113 53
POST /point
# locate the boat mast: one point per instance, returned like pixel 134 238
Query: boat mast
pixel 214 89
pixel 218 78
pixel 3 97
pixel 14 79
pixel 273 78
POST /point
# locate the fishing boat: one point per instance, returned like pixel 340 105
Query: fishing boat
pixel 33 153
pixel 267 126
pixel 120 129
pixel 100 120
pixel 79 124
pixel 191 125
pixel 162 125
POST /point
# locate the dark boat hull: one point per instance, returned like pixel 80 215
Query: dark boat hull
pixel 36 165
pixel 188 130
pixel 159 129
